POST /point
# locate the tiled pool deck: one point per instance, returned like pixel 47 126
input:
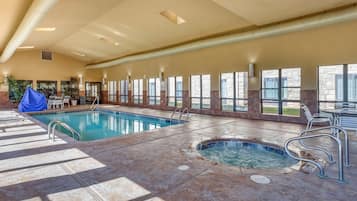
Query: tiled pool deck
pixel 145 166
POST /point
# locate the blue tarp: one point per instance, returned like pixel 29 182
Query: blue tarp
pixel 32 101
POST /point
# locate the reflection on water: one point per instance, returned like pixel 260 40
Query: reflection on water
pixel 101 124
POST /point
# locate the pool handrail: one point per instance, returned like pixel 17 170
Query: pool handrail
pixel 183 112
pixel 52 127
pixel 94 104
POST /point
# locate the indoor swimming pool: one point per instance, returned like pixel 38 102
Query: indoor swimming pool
pixel 100 124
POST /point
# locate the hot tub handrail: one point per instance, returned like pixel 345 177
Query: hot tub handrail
pixel 322 172
pixel 52 127
pixel 335 131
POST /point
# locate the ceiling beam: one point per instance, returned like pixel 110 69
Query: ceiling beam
pixel 35 13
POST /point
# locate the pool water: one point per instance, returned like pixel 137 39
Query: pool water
pixel 245 154
pixel 94 125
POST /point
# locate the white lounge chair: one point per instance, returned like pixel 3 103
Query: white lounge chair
pixel 315 118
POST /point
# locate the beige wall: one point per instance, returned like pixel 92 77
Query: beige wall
pixel 328 45
pixel 28 65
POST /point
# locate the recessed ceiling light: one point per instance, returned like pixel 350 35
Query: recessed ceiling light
pixel 26 47
pixel 173 17
pixel 116 44
pixel 45 29
pixel 79 54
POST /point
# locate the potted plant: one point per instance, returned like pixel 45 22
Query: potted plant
pixel 16 89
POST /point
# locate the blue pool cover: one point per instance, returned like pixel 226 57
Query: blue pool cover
pixel 32 101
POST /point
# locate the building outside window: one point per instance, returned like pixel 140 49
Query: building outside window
pixel 138 91
pixel 200 91
pixel 337 84
pixel 234 91
pixel 112 91
pixel 48 88
pixel 154 91
pixel 124 87
pixel 175 87
pixel 281 91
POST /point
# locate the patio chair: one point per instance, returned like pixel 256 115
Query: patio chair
pixel 315 118
pixel 66 100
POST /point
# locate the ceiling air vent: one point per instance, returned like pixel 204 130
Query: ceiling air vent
pixel 46 55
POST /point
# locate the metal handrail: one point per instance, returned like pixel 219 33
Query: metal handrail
pixel 94 104
pixel 322 172
pixel 174 112
pixel 183 112
pixel 335 130
pixel 52 127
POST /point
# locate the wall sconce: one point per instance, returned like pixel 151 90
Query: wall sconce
pixel 6 75
pixel 80 81
pixel 251 70
pixel 162 76
pixel 104 81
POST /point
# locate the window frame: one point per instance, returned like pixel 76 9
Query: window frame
pixel 235 95
pixel 201 97
pixel 280 88
pixel 140 96
pixel 345 93
pixel 176 98
pixel 156 98
pixel 112 94
pixel 124 96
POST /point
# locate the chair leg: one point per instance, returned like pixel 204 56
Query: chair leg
pixel 308 125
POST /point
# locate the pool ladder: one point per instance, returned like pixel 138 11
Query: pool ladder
pixel 334 134
pixel 181 113
pixel 94 104
pixel 52 127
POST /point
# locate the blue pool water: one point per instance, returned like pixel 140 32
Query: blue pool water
pixel 245 154
pixel 94 125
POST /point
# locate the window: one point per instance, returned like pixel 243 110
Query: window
pixel 124 86
pixel 201 91
pixel 281 91
pixel 112 91
pixel 17 88
pixel 138 91
pixel 175 91
pixel 65 88
pixel 337 84
pixel 154 91
pixel 92 90
pixel 234 91
pixel 48 88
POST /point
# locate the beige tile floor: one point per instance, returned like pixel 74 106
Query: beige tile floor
pixel 145 166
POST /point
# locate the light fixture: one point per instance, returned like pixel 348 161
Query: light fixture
pixel 79 54
pixel 104 81
pixel 173 17
pixel 80 81
pixel 6 75
pixel 251 70
pixel 161 75
pixel 116 44
pixel 26 47
pixel 45 29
